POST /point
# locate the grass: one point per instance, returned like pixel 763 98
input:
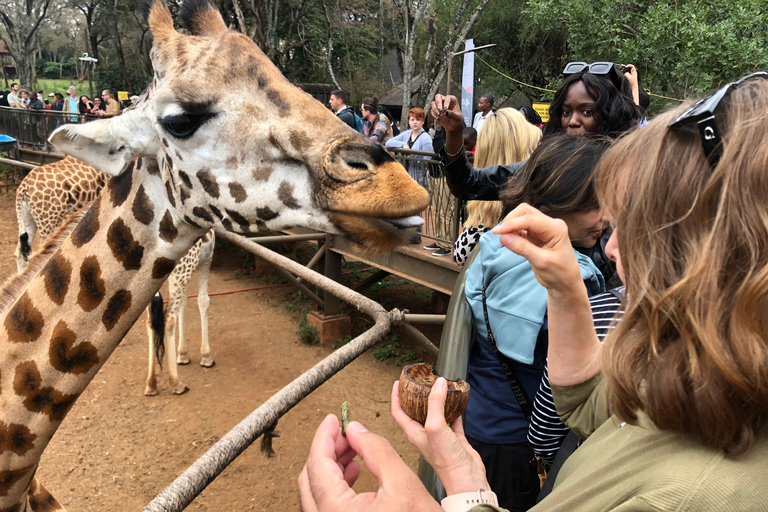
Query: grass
pixel 55 85
pixel 393 351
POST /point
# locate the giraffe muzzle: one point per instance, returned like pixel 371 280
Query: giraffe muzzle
pixel 412 221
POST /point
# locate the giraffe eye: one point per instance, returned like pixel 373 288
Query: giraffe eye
pixel 183 126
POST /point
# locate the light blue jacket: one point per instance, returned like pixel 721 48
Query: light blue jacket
pixel 417 170
pixel 517 303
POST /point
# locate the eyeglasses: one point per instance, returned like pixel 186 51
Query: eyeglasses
pixel 702 115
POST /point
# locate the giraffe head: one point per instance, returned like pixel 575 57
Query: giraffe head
pixel 240 147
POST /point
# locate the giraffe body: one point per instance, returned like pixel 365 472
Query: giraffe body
pixel 51 192
pixel 187 158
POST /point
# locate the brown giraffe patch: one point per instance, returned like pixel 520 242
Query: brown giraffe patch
pixel 237 191
pixel 169 193
pixel 116 307
pixel 9 478
pixel 92 288
pixel 120 186
pixel 68 358
pixel 192 223
pixel 165 142
pixel 216 211
pixel 266 213
pixel 40 500
pixel 24 322
pixel 237 217
pixel 56 275
pixel 152 167
pixel 202 213
pixel 279 102
pixel 168 231
pixel 208 181
pixel 231 162
pixel 186 179
pixel 178 155
pixel 285 194
pixel 183 194
pixel 299 141
pixel 27 382
pixel 124 247
pixel 262 173
pixel 143 209
pixel 16 438
pixel 162 267
pixel 88 226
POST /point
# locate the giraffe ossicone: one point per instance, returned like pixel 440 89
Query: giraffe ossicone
pixel 190 156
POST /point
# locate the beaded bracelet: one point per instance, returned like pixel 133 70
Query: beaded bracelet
pixel 449 154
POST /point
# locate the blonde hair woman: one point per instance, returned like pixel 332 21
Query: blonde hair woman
pixel 506 138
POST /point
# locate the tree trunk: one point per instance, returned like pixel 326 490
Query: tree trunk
pixel 119 50
pixel 21 22
pixel 408 62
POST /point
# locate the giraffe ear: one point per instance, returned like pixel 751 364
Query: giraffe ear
pixel 109 145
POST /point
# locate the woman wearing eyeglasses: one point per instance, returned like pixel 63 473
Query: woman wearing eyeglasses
pixel 674 406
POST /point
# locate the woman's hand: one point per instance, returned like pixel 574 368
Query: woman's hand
pixel 456 463
pixel 544 242
pixel 447 111
pixel 632 77
pixel 325 484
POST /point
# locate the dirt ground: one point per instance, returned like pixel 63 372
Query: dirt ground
pixel 117 448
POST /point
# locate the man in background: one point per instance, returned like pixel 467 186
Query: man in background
pixel 338 103
pixel 484 106
pixel 13 98
pixel 113 107
pixel 71 104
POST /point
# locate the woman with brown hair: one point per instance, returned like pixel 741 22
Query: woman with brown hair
pixel 376 126
pixel 674 405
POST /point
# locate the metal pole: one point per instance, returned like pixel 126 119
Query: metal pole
pixel 16 163
pixel 287 238
pixel 425 319
pixel 417 335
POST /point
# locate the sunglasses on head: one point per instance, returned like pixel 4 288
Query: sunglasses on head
pixel 702 116
pixel 613 70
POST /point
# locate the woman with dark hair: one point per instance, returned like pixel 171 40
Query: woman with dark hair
pixel 376 126
pixel 86 105
pixel 531 116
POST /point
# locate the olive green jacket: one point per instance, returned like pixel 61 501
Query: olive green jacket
pixel 624 467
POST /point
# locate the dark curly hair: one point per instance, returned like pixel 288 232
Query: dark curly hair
pixel 614 108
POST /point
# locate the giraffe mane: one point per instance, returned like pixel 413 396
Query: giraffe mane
pixel 15 286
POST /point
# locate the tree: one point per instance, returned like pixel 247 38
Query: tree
pixel 21 20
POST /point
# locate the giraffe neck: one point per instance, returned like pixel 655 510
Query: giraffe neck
pixel 73 314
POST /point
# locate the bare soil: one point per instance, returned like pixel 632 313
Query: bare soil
pixel 117 448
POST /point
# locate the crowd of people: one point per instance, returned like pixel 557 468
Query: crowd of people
pixel 104 105
pixel 616 277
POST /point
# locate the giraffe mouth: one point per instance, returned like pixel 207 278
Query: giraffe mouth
pixel 412 221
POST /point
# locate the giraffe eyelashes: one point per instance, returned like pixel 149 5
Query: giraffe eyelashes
pixel 183 126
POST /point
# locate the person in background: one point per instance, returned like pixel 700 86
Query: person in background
pixel 376 126
pixel 506 138
pixel 85 106
pixel 531 116
pixel 417 139
pixel 97 107
pixel 112 106
pixel 58 101
pixel 469 136
pixel 339 104
pixel 35 120
pixel 50 101
pixel 13 97
pixel 72 104
pixel 4 98
pixel 484 107
pixel 23 99
pixel 34 102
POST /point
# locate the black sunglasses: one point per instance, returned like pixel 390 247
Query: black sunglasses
pixel 702 115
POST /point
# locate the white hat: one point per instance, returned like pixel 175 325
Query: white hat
pixel 51 94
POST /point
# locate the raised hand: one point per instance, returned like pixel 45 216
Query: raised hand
pixel 447 111
pixel 456 463
pixel 325 484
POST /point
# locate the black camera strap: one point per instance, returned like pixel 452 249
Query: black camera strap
pixel 506 363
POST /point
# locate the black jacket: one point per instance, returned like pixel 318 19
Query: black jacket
pixel 347 114
pixel 471 184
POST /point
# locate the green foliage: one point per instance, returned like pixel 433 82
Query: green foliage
pixel 386 283
pixel 296 303
pixel 393 351
pixel 307 333
pixel 341 342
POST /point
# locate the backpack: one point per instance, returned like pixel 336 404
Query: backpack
pixel 358 122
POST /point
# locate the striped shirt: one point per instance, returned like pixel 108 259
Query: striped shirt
pixel 546 431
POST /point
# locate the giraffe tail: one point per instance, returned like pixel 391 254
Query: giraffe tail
pixel 157 323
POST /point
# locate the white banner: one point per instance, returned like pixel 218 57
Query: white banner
pixel 468 82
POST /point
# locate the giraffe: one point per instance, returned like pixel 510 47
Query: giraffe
pixel 189 157
pixel 44 199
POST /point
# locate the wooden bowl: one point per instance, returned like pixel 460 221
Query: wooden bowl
pixel 416 382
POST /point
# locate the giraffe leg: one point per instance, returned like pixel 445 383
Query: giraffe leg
pixel 27 230
pixel 183 355
pixel 203 301
pixel 40 500
pixel 151 388
pixel 173 370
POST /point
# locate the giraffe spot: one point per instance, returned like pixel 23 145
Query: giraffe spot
pixel 262 173
pixel 56 275
pixel 92 288
pixel 66 186
pixel 9 478
pixel 120 186
pixel 237 191
pixel 152 167
pixel 143 209
pixel 139 162
pixel 202 213
pixel 40 500
pixel 208 181
pixel 227 224
pixel 165 142
pixel 192 223
pixel 298 141
pixel 216 211
pixel 16 438
pixel 266 213
pixel 88 226
pixel 183 194
pixel 285 194
pixel 262 82
pixel 185 178
pixel 169 193
pixel 125 249
pixel 27 382
pixel 231 162
pixel 238 218
pixel 168 231
pixel 24 322
pixel 162 267
pixel 178 155
pixel 278 101
pixel 116 307
pixel 68 358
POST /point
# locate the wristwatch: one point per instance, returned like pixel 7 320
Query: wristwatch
pixel 466 500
